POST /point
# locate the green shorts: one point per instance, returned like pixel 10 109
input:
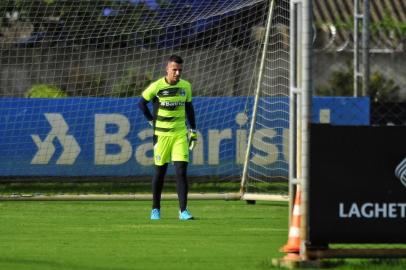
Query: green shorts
pixel 170 148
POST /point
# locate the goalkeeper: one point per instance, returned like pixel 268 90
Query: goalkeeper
pixel 171 99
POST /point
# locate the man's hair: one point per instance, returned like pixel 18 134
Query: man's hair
pixel 176 59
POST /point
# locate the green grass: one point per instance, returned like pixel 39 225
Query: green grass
pixel 126 187
pixel 119 235
pixel 108 235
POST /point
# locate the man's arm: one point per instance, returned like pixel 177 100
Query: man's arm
pixel 190 115
pixel 142 104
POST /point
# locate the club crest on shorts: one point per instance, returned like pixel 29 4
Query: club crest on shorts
pixel 400 171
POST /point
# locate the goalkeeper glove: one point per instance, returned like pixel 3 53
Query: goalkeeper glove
pixel 192 139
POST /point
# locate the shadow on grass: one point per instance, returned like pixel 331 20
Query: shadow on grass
pixel 129 186
pixel 344 264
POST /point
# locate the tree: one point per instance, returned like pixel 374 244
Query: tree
pixel 341 83
pixel 110 22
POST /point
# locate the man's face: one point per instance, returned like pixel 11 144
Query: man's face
pixel 173 72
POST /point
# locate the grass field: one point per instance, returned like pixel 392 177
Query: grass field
pixel 105 235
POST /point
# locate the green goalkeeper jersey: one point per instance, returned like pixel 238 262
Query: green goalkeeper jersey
pixel 169 106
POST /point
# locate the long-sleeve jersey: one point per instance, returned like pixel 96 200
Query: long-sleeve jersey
pixel 172 104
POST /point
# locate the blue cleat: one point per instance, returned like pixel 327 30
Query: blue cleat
pixel 155 214
pixel 185 215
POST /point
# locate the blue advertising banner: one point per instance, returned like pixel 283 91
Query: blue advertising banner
pixel 341 111
pixel 109 136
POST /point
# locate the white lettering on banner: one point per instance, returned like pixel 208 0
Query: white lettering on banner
pixel 198 151
pixel 270 149
pixel 102 139
pixel 285 144
pixel 141 152
pixel 242 138
pixel 215 137
pixel 241 147
pixel 46 148
pixel 118 137
pixel 372 210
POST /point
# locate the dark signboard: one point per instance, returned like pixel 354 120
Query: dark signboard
pixel 357 184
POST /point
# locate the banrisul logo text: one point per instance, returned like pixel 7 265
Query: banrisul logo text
pixel 113 142
pixel 46 148
pixel 110 136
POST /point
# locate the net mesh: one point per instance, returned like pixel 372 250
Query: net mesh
pixel 269 161
pixel 72 72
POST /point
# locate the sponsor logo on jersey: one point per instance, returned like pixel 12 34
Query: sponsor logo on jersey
pixel 172 104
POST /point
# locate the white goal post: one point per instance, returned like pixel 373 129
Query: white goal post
pixel 271 114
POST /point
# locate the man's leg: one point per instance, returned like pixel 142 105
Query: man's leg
pixel 157 185
pixel 161 159
pixel 180 157
pixel 181 183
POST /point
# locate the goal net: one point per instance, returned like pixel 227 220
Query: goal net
pixel 72 72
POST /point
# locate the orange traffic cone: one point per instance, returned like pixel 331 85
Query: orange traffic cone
pixel 293 244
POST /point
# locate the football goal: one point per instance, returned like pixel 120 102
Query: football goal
pixel 72 73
